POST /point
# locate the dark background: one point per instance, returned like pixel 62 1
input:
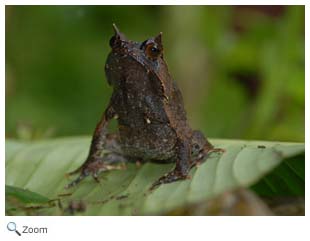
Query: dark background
pixel 241 69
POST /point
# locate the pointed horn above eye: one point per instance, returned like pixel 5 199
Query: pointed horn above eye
pixel 117 33
pixel 158 39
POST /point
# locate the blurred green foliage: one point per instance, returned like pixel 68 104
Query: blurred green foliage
pixel 241 69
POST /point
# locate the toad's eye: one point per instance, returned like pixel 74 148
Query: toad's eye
pixel 112 41
pixel 152 51
pixel 115 41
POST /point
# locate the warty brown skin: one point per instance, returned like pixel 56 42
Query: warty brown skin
pixel 149 109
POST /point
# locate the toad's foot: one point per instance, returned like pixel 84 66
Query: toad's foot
pixel 205 152
pixel 172 176
pixel 210 150
pixel 95 166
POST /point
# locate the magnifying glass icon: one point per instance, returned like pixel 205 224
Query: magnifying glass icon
pixel 12 227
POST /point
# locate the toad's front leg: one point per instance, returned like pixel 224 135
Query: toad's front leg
pixel 97 161
pixel 183 165
pixel 110 161
pixel 189 154
pixel 201 148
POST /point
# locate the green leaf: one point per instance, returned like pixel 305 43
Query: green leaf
pixel 24 195
pixel 287 179
pixel 41 166
pixel 19 201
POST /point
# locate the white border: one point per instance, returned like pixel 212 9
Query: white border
pixel 157 2
pixel 156 228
